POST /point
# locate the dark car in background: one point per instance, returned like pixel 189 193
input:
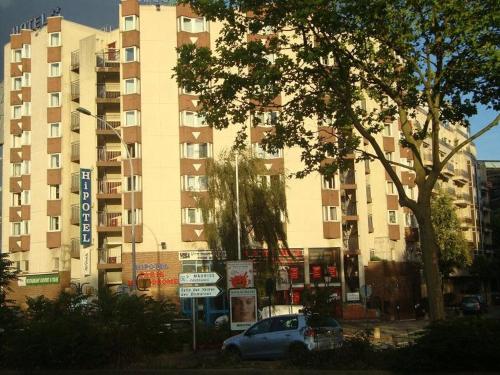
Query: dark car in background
pixel 473 304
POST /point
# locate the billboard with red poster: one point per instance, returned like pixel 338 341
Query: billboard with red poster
pixel 239 274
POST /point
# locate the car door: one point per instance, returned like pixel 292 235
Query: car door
pixel 254 342
pixel 283 332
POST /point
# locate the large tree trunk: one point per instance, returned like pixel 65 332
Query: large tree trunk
pixel 430 254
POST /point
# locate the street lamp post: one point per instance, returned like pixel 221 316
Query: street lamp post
pixel 132 198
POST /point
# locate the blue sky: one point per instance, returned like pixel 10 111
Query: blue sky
pixel 99 13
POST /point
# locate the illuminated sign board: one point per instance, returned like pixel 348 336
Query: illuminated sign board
pixel 35 22
pixel 85 207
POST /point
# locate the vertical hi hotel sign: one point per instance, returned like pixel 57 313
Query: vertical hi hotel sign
pixel 85 207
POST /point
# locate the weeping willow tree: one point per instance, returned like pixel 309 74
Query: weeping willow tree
pixel 262 208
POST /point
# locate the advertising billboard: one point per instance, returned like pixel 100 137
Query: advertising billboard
pixel 239 274
pixel 242 308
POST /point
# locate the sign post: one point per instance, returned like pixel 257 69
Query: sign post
pixel 193 313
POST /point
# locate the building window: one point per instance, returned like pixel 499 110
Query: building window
pixel 411 220
pixel 55 39
pixel 260 153
pixel 130 23
pixel 54 192
pixel 16 200
pixel 17 111
pixel 194 183
pixel 17 55
pixel 328 182
pixel 392 217
pixel 192 25
pixel 17 83
pixel 196 150
pixel 389 155
pixel 55 99
pixel 55 264
pixel 132 118
pixel 55 69
pixel 16 140
pixel 16 169
pixel 26 137
pixel 54 223
pixel 26 167
pixel 270 180
pixel 27 109
pixel 267 119
pixel 192 216
pixel 131 86
pixel 26 79
pixel 185 91
pixel 329 213
pixel 137 218
pixel 410 191
pixel 26 51
pixel 370 223
pixel 55 130
pixel 131 54
pixel 134 149
pixel 26 197
pixel 190 118
pixel 16 229
pixel 137 183
pixel 391 188
pixel 387 131
pixel 329 60
pixel 54 161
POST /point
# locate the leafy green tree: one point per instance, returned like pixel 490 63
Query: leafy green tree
pixel 453 249
pixel 326 57
pixel 262 207
pixel 8 274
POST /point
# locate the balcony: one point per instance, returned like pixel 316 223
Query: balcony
pixel 75 61
pixel 449 169
pixel 75 248
pixel 108 61
pixel 462 200
pixel 108 93
pixel 110 257
pixel 75 214
pixel 461 176
pixel 109 221
pixel 75 91
pixel 109 158
pixel 75 152
pixel 75 121
pixel 75 182
pixel 111 120
pixel 109 189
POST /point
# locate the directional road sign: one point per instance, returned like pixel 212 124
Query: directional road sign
pixel 199 291
pixel 199 278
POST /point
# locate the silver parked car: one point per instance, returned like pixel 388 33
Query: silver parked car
pixel 293 335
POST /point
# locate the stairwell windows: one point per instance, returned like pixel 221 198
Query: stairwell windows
pixel 54 192
pixel 55 69
pixel 131 86
pixel 192 25
pixel 54 99
pixel 134 150
pixel 391 188
pixel 17 55
pixel 328 182
pixel 194 183
pixel 196 150
pixel 17 83
pixel 16 229
pixel 131 54
pixel 17 111
pixel 16 200
pixel 132 118
pixel 54 223
pixel 16 140
pixel 16 169
pixel 136 181
pixel 55 130
pixel 26 137
pixel 130 23
pixel 330 213
pixel 54 39
pixel 192 216
pixel 26 79
pixel 27 109
pixel 137 218
pixel 392 217
pixel 54 161
pixel 26 167
pixel 190 118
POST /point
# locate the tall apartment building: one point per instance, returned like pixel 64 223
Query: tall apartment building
pixel 336 225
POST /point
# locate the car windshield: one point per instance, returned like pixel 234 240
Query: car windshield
pixel 321 321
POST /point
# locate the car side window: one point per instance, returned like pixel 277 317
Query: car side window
pixel 261 327
pixel 285 323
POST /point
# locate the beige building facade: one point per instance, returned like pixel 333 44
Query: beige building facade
pixel 336 227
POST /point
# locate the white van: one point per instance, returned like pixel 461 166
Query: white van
pixel 280 310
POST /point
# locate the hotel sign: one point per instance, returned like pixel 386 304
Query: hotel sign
pixel 85 207
pixel 41 279
pixel 35 22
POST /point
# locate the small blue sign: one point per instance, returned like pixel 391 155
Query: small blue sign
pixel 85 207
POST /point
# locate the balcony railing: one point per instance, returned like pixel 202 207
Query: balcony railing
pixel 75 151
pixel 75 214
pixel 75 182
pixel 349 208
pixel 108 91
pixel 109 186
pixel 110 255
pixel 109 219
pixel 75 248
pixel 75 90
pixel 106 155
pixel 75 121
pixel 113 121
pixel 75 60
pixel 351 242
pixel 108 59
